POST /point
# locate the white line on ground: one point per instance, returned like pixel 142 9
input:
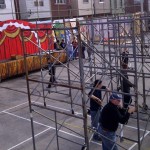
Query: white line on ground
pixel 49 127
pixel 54 106
pixel 13 107
pixel 140 140
pixel 28 139
pixel 5 111
pixel 59 108
pixel 136 128
pixel 26 119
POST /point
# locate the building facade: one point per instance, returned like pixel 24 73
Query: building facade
pixel 7 10
pixel 117 6
pixel 134 6
pixel 33 9
pixel 71 8
pixel 58 9
pixel 84 8
pixel 102 7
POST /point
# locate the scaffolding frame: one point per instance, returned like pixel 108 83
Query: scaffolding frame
pixel 105 63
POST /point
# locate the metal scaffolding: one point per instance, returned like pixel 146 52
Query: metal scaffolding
pixel 75 78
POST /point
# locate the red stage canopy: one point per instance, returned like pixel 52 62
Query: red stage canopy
pixel 11 41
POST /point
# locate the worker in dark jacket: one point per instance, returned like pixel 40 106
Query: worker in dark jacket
pixel 57 45
pixel 125 59
pixel 52 71
pixel 112 114
pixel 125 87
pixel 62 44
pixel 83 47
pixel 95 96
pixel 75 48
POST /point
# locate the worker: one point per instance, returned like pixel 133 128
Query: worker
pixel 95 96
pixel 57 45
pixel 75 48
pixel 125 59
pixel 52 70
pixel 125 87
pixel 62 44
pixel 111 115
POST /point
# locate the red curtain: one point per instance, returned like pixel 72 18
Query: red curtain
pixel 2 47
pixel 11 41
pixel 46 37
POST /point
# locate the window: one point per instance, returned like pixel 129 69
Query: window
pixel 60 1
pixel 137 1
pixel 121 3
pixel 2 4
pixel 85 1
pixel 35 3
pixel 39 3
pixel 115 4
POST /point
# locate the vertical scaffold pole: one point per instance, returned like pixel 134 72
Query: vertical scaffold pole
pixel 83 89
pixel 28 90
pixel 135 83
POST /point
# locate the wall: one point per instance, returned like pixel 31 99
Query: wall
pixel 44 11
pixel 135 6
pixel 60 10
pixel 23 10
pixel 102 8
pixel 74 8
pixel 85 8
pixel 118 9
pixel 10 10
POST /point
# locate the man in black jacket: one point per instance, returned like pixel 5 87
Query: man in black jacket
pixel 52 71
pixel 125 87
pixel 62 44
pixel 125 59
pixel 112 114
pixel 95 96
pixel 57 45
